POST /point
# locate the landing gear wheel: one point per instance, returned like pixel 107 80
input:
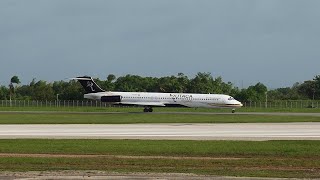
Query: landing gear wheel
pixel 233 111
pixel 147 109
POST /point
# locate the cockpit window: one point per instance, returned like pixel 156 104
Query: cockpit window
pixel 230 98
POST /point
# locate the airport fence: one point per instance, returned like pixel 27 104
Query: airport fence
pixel 298 104
pixel 62 103
pixel 74 103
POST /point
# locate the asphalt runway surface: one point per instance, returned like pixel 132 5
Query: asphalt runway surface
pixel 229 131
pixel 234 131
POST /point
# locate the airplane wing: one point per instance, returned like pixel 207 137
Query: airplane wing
pixel 145 103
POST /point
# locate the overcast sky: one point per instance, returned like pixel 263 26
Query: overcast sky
pixel 276 42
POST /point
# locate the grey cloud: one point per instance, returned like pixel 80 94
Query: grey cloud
pixel 275 42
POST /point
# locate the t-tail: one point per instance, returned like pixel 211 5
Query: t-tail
pixel 88 84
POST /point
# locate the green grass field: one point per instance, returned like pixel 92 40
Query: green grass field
pixel 156 109
pixel 130 118
pixel 300 159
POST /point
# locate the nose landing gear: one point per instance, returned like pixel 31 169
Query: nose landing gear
pixel 233 110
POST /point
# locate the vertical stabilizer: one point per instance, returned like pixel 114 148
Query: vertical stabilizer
pixel 88 84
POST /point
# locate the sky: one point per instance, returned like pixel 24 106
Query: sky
pixel 275 42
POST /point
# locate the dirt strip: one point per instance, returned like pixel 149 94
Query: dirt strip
pixel 74 175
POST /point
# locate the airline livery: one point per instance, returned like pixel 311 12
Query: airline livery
pixel 149 100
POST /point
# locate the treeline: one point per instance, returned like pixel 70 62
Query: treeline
pixel 201 83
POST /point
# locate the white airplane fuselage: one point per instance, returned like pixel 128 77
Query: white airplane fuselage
pixel 169 99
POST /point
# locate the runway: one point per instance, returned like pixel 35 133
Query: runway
pixel 234 131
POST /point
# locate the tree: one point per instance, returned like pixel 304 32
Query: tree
pixel 42 91
pixel 253 93
pixel 183 82
pixel 24 92
pixel 202 83
pixel 317 86
pixel 130 83
pixel 287 93
pixel 14 80
pixel 169 84
pixel 71 90
pixel 109 83
pixel 307 89
pixel 4 91
pixel 111 77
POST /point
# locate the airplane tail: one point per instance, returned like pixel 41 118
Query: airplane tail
pixel 88 84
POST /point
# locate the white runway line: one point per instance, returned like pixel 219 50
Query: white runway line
pixel 229 131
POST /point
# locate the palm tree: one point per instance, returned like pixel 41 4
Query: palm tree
pixel 15 80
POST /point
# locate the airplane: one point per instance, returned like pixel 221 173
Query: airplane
pixel 152 99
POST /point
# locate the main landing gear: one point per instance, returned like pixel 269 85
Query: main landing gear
pixel 147 109
pixel 233 110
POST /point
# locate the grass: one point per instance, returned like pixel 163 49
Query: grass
pixel 130 118
pixel 298 168
pixel 299 159
pixel 306 149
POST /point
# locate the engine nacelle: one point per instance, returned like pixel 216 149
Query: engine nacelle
pixel 111 99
